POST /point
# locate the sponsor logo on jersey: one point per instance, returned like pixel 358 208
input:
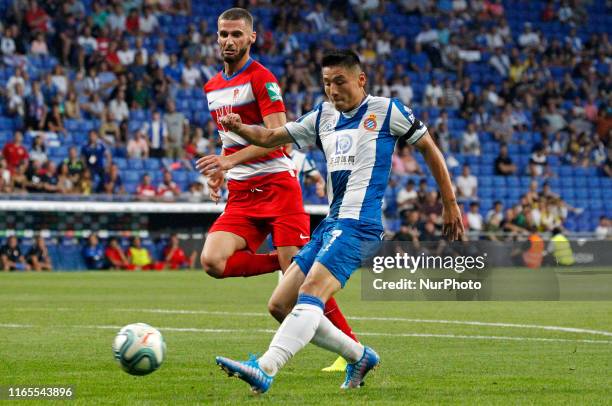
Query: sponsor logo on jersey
pixel 274 92
pixel 343 144
pixel 370 123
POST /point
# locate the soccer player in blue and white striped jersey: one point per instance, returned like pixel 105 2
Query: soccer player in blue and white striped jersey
pixel 357 133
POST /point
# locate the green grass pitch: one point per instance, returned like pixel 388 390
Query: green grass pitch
pixel 57 329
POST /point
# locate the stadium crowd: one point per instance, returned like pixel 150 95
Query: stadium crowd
pixel 105 97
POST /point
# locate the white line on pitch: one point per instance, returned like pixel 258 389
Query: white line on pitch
pixel 370 334
pixel 363 318
pixel 366 318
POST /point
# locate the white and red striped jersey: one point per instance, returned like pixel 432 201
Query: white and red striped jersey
pixel 253 93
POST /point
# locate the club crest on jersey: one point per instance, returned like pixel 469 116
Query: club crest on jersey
pixel 370 123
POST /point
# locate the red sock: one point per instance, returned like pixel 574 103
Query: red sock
pixel 244 263
pixel 333 313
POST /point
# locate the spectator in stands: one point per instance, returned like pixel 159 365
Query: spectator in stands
pixel 36 18
pixel 470 143
pixel 38 152
pixel 139 95
pixel 494 219
pixel 119 108
pixel 137 146
pixel 554 119
pixel 6 178
pixel 452 96
pixel 38 46
pixel 11 256
pixel 17 102
pixel 146 190
pixel 177 125
pixel 433 93
pixel 500 62
pixel 95 107
pixel 60 80
pixel 8 47
pixel 85 185
pixel 132 21
pixel 72 108
pixel 116 20
pixel 54 120
pixel 474 218
pixel 125 54
pixel 157 134
pixel 95 155
pixel 115 256
pixel 197 192
pixel 14 152
pixel 168 190
pixel 140 257
pixel 20 179
pixel 49 89
pixel 529 38
pixel 148 23
pixel 65 182
pixel 405 163
pixel 191 76
pixel 49 179
pixel 402 89
pixel 18 78
pixel 503 163
pixel 198 145
pixel 93 254
pixel 112 183
pixel 38 256
pixel 603 230
pixel 407 199
pixel 174 255
pixel 160 57
pixel 538 162
pixel 467 184
pixel 432 204
pixel 108 82
pixel 109 130
pixel 36 107
pixel 74 163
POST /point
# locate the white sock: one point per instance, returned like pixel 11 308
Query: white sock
pixel 331 338
pixel 294 333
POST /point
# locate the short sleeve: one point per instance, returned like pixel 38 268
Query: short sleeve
pixel 267 92
pixel 404 124
pixel 304 130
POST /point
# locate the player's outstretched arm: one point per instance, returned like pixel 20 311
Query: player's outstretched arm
pixel 451 215
pixel 256 135
pixel 227 162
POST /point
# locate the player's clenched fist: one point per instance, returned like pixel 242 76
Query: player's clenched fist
pixel 232 121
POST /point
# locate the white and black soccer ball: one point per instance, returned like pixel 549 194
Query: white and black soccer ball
pixel 139 348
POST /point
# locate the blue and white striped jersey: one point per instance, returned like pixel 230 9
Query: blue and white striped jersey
pixel 358 146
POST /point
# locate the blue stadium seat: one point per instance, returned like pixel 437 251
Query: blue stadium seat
pixel 135 164
pixel 499 181
pixel 180 176
pixel 131 176
pixel 121 163
pixel 152 164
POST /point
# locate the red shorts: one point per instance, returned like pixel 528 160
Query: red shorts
pixel 263 205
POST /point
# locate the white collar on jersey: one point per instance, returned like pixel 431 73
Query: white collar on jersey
pixel 351 113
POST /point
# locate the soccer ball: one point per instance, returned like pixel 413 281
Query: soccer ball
pixel 139 348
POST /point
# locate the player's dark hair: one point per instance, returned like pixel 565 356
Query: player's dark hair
pixel 341 57
pixel 237 13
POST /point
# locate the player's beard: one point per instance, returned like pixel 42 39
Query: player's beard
pixel 236 57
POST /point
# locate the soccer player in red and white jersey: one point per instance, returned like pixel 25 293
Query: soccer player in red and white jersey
pixel 264 194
